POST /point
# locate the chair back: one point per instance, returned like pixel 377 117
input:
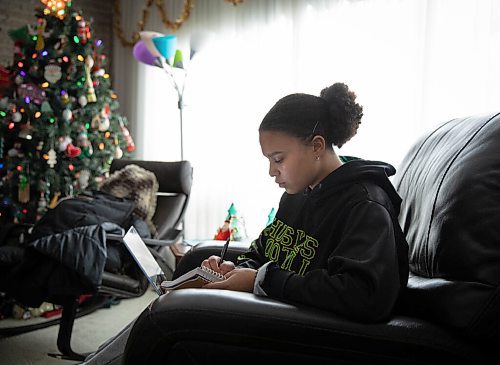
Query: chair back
pixel 450 185
pixel 175 179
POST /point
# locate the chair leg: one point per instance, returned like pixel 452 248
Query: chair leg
pixel 65 331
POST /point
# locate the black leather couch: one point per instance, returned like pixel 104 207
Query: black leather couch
pixel 450 313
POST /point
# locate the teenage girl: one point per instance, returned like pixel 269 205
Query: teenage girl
pixel 335 242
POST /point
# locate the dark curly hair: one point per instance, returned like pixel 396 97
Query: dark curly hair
pixel 334 115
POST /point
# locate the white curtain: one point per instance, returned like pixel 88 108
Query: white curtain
pixel 412 63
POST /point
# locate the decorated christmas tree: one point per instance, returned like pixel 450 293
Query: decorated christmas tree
pixel 59 124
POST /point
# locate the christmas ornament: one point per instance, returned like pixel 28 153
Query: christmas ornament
pixel 82 100
pixel 127 136
pixel 118 152
pixel 64 142
pixel 16 150
pixel 89 62
pixel 97 70
pixel 13 152
pixel 83 142
pixel 31 92
pixel 82 31
pixel 103 124
pixel 52 160
pixel 23 195
pixel 99 73
pixel 34 70
pixel 61 44
pixel 16 117
pixel 64 98
pixel 42 205
pixel 18 80
pixel 101 120
pixel 52 73
pixel 70 70
pixel 72 151
pixel 83 179
pixel 26 131
pixel 67 114
pixel 40 33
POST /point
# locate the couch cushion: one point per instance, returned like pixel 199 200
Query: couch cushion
pixel 450 185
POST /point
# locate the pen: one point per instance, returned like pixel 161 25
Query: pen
pixel 224 250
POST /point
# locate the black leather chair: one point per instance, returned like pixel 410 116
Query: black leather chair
pixel 174 187
pixel 449 314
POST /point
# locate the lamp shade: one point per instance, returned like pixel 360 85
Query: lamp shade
pixel 166 45
pixel 142 54
pixel 178 59
pixel 198 41
pixel 147 38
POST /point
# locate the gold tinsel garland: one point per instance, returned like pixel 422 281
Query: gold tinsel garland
pixel 173 25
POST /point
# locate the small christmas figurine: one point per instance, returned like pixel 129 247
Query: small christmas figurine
pixel 89 63
pixel 270 217
pixel 233 226
pixel 223 232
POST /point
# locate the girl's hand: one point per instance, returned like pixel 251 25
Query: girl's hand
pixel 238 279
pixel 213 263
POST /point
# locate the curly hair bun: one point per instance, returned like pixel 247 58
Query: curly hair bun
pixel 345 113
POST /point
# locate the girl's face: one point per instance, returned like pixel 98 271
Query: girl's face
pixel 291 161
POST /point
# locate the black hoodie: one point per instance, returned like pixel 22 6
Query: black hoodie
pixel 339 246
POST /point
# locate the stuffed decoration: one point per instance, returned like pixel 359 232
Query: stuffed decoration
pixel 138 184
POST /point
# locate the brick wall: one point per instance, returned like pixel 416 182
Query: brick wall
pixel 17 13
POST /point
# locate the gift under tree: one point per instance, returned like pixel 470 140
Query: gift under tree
pixel 59 124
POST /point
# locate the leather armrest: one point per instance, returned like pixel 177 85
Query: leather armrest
pixel 201 325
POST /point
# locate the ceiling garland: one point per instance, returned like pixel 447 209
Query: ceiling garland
pixel 172 25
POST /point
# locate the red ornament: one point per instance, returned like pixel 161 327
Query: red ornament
pixel 128 137
pixel 83 31
pixel 72 151
pixel 130 146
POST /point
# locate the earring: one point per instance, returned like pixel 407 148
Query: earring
pixel 317 158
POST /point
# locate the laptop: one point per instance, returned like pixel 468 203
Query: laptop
pixel 141 254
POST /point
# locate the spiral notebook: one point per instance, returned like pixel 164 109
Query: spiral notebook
pixel 144 258
pixel 195 278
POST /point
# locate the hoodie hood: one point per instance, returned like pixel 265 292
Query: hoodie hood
pixel 358 171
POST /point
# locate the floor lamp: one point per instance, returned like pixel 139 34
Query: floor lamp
pixel 160 50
